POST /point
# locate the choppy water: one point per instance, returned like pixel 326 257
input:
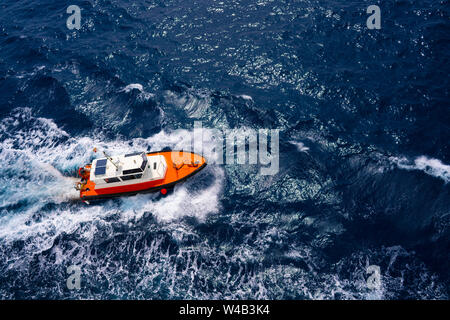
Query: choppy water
pixel 364 167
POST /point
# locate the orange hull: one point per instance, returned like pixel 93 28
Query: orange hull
pixel 180 166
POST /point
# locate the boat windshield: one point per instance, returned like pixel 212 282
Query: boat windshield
pixel 144 161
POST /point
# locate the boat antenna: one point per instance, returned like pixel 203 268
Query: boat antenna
pixel 110 159
pixel 107 157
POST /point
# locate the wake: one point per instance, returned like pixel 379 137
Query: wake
pixel 37 178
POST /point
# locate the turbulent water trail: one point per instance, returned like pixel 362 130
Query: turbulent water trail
pixel 38 175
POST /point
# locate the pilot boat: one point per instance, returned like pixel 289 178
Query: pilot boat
pixel 139 172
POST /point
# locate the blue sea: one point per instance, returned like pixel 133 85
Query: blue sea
pixel 364 159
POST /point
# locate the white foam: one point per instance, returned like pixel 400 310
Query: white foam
pixel 183 202
pixel 430 166
pixel 143 94
pixel 246 97
pixel 300 146
pixel 132 86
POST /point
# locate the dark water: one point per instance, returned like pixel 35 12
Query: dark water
pixel 364 157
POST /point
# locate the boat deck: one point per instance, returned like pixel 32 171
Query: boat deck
pixel 180 166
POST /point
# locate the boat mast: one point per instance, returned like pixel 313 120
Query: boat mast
pixel 110 159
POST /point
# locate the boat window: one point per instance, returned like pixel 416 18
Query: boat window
pixel 144 161
pixel 143 165
pixel 154 165
pixel 137 170
pixel 132 154
pixel 131 177
pixel 111 180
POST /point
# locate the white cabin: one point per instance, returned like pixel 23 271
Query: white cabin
pixel 127 169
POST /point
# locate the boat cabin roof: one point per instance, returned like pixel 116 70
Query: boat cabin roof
pixel 126 165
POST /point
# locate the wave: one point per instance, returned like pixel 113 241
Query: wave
pixel 431 166
pixel 133 86
pixel 300 146
pixel 246 97
pixel 144 95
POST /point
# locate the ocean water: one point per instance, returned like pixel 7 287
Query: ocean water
pixel 364 165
